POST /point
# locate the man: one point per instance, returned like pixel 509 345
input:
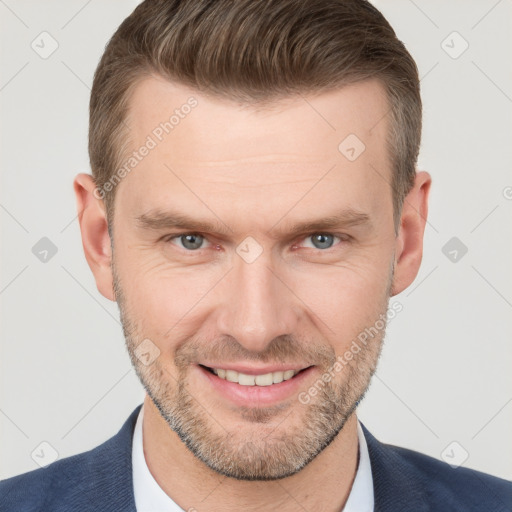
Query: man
pixel 253 206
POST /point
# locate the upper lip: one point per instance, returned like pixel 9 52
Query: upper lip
pixel 256 370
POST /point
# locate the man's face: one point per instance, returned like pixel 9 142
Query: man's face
pixel 249 294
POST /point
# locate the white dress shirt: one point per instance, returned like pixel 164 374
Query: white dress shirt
pixel 150 497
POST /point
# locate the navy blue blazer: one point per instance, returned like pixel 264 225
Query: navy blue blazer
pixel 100 480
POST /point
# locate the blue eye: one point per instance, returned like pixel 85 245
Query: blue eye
pixel 189 241
pixel 322 240
pixel 194 242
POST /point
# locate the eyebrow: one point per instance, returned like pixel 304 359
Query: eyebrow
pixel 158 220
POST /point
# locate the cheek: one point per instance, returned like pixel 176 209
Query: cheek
pixel 170 302
pixel 344 301
pixel 166 301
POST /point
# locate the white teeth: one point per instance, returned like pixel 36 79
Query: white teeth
pixel 231 376
pixel 288 374
pixel 246 380
pixel 266 379
pixel 277 377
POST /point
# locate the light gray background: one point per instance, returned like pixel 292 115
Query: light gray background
pixel 445 373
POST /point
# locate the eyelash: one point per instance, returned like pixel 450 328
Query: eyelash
pixel 341 236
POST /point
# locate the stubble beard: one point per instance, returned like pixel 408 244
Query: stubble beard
pixel 267 448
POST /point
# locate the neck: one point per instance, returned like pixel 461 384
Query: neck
pixel 194 486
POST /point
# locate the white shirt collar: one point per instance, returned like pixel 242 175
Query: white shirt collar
pixel 150 497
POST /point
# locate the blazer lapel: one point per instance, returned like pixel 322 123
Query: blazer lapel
pixel 396 485
pixel 107 482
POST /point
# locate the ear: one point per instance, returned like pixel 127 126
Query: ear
pixel 409 242
pixel 94 229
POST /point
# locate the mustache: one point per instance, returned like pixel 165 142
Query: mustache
pixel 283 349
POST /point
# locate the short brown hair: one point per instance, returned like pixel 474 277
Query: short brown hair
pixel 254 51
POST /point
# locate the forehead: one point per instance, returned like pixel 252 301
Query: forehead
pixel 237 155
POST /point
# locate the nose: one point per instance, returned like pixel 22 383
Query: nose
pixel 257 305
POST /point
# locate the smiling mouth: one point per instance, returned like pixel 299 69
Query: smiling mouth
pixel 265 379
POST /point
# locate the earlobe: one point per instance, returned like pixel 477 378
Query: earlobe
pixel 409 243
pixel 94 230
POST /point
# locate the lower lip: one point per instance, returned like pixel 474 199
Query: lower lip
pixel 256 395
